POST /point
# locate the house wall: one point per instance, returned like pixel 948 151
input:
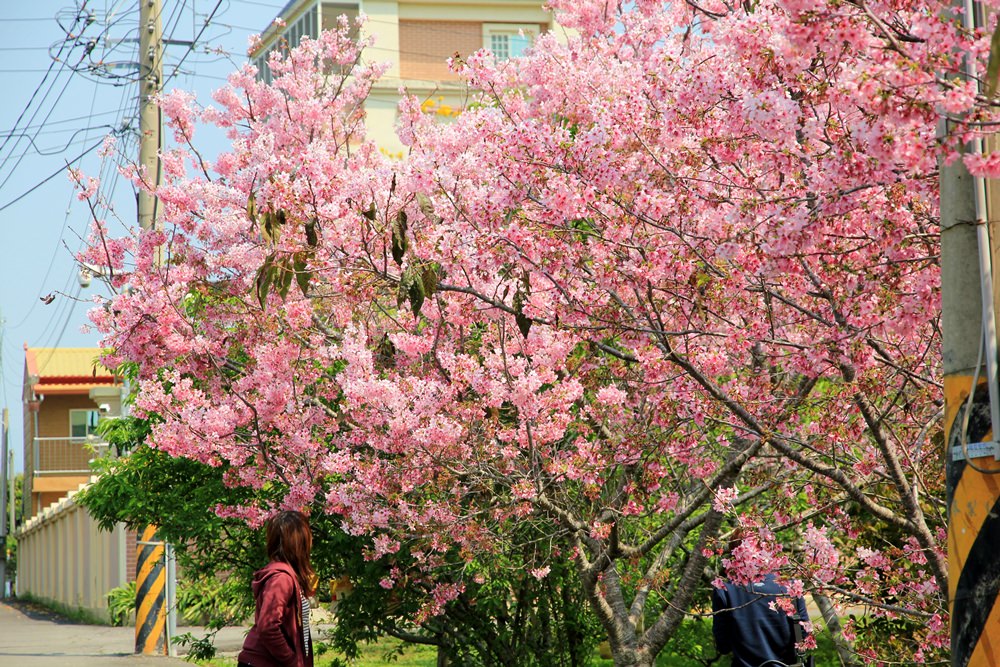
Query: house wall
pixel 416 38
pixel 53 416
pixel 53 422
pixel 425 46
pixel 66 560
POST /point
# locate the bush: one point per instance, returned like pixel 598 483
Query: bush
pixel 121 604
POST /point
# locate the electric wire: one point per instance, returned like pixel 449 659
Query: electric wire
pixel 31 100
pixel 48 178
pixel 66 311
pixel 54 105
pixel 45 152
pixel 193 42
pixel 13 133
pixel 64 121
pixel 62 231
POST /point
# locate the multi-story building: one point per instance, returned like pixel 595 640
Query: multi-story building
pixel 64 557
pixel 417 37
pixel 65 393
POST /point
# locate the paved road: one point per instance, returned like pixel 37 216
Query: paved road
pixel 31 636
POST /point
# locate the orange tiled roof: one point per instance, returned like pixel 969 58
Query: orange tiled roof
pixel 65 370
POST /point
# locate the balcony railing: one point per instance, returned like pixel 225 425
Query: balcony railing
pixel 66 456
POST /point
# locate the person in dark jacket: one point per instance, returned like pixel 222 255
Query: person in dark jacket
pixel 745 624
pixel 280 634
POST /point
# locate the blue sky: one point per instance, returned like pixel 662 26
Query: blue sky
pixel 55 112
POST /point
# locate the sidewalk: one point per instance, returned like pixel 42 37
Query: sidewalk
pixel 31 636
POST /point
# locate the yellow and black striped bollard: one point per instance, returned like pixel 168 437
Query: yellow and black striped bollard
pixel 973 529
pixel 150 583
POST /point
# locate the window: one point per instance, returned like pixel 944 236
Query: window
pixel 307 25
pixel 83 422
pixel 508 40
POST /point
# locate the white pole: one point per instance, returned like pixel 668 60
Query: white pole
pixel 171 601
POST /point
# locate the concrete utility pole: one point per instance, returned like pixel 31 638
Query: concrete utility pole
pixel 4 526
pixel 151 602
pixel 973 485
pixel 972 407
pixel 151 76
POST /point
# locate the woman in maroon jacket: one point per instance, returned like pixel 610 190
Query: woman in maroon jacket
pixel 280 633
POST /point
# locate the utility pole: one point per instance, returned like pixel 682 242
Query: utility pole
pixel 4 526
pixel 151 76
pixel 151 603
pixel 972 405
pixel 11 504
pixel 973 485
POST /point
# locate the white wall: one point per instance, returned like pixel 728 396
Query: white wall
pixel 64 558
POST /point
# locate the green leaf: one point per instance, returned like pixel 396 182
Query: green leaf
pixel 399 244
pixel 302 273
pixel 271 225
pixel 430 276
pixel 411 288
pixel 370 213
pixel 284 278
pixel 416 294
pixel 265 277
pixel 311 237
pixel 523 321
pixel 426 207
pixel 252 208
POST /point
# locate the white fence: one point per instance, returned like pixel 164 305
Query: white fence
pixel 65 559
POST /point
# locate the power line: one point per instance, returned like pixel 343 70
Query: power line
pixel 47 116
pixel 62 65
pixel 193 42
pixel 64 120
pixel 34 94
pixel 55 151
pixel 49 177
pixel 62 231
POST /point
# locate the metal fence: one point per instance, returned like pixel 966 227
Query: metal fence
pixel 60 456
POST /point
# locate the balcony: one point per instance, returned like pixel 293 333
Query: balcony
pixel 67 456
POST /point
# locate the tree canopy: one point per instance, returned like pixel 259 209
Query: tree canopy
pixel 673 272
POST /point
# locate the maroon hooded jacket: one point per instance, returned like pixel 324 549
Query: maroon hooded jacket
pixel 275 640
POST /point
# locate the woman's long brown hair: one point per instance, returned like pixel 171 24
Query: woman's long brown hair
pixel 289 540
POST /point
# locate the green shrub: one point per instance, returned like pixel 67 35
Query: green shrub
pixel 121 604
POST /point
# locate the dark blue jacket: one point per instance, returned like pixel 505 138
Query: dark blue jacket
pixel 745 625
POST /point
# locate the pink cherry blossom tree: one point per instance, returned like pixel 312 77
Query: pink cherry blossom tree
pixel 675 272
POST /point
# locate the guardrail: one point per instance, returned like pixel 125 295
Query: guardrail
pixel 62 456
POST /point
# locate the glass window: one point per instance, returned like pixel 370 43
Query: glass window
pixel 518 44
pixel 508 40
pixel 500 46
pixel 83 422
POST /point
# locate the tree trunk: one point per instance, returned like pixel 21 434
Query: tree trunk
pixel 844 649
pixel 629 656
